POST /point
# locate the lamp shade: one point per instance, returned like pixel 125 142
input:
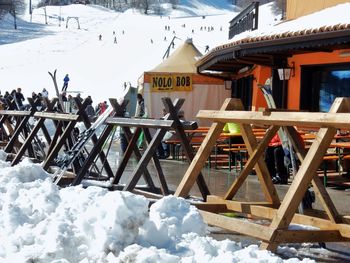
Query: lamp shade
pixel 284 73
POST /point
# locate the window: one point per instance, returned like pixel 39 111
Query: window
pixel 243 89
pixel 320 85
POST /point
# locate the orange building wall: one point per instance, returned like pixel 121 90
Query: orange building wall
pixel 261 74
pixel 317 58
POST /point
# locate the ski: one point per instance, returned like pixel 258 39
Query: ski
pixel 59 96
pixel 286 143
pixel 267 91
pixel 68 158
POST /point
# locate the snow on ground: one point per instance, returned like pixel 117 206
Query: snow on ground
pixel 41 223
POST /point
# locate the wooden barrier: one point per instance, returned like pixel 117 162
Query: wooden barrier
pixel 281 214
pixel 171 121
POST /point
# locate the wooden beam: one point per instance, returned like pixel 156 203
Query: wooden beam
pixel 203 153
pixel 213 208
pixel 306 119
pixel 300 236
pixel 265 210
pixel 56 116
pixel 237 225
pixel 20 113
pixel 142 123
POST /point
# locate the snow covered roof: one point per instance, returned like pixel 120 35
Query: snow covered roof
pixel 329 27
pixel 183 59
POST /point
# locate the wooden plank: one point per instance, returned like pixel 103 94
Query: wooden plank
pixel 21 113
pixel 237 225
pixel 306 119
pixel 142 123
pixel 265 210
pixel 300 236
pixel 56 116
pixel 254 156
pixel 203 153
pixel 213 208
pixel 239 206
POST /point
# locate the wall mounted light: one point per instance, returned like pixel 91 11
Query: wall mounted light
pixel 286 72
pixel 228 84
pixel 344 53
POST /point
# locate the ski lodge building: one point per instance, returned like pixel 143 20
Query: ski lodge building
pixel 307 54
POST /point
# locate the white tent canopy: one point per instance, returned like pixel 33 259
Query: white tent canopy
pixel 176 77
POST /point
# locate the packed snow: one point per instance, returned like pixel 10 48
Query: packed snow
pixel 39 222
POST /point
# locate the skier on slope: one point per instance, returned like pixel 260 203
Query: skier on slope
pixel 65 83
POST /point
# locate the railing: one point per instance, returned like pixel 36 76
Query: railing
pixel 246 20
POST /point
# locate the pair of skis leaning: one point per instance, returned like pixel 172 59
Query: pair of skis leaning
pixel 69 156
pixel 309 196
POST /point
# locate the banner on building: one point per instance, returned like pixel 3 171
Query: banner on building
pixel 171 82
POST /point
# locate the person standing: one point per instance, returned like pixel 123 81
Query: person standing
pixel 274 159
pixel 140 113
pixel 140 109
pixel 65 83
pixel 19 98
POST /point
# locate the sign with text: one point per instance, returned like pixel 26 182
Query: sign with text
pixel 171 82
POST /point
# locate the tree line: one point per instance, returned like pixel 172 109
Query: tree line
pixel 12 6
pixel 145 6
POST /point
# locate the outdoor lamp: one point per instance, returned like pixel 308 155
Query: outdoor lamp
pixel 287 72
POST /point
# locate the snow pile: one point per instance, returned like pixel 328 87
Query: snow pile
pixel 40 223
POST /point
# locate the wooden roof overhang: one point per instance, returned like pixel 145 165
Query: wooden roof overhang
pixel 272 50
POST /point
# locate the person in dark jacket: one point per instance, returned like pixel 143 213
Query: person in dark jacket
pixel 18 96
pixel 274 158
pixel 65 83
pixel 90 111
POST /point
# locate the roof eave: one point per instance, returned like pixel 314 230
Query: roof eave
pixel 238 51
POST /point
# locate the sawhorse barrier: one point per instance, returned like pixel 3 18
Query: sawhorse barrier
pixel 280 213
pixel 171 121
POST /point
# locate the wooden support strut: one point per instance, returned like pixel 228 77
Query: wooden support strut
pixel 336 228
pixel 173 110
pixel 56 146
pixel 31 135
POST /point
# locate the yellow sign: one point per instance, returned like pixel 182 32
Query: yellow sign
pixel 173 82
